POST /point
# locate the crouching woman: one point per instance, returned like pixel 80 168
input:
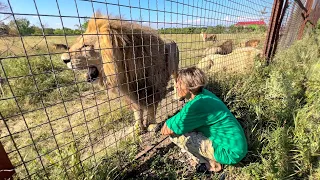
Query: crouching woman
pixel 205 127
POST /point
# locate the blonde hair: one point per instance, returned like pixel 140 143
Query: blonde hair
pixel 194 78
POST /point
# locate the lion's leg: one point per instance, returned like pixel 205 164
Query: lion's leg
pixel 151 122
pixel 151 114
pixel 138 113
pixel 138 117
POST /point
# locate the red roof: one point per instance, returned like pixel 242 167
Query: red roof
pixel 245 23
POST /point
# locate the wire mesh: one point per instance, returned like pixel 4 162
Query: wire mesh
pixel 296 20
pixel 57 125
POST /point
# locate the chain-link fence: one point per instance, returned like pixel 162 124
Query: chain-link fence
pixel 295 18
pixel 82 90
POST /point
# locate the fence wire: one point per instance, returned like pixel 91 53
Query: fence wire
pixel 299 17
pixel 57 123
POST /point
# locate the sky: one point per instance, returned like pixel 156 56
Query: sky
pixel 155 13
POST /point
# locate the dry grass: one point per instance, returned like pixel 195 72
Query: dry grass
pixel 13 46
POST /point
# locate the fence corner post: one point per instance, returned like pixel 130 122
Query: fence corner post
pixel 6 168
pixel 278 11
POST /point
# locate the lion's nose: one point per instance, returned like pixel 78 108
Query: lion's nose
pixel 67 61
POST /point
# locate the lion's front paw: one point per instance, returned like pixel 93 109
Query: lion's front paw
pixel 140 129
pixel 154 127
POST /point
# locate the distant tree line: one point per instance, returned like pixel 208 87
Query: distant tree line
pixel 25 28
pixel 214 29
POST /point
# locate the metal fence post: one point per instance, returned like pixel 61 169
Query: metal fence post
pixel 278 11
pixel 315 13
pixel 305 15
pixel 6 168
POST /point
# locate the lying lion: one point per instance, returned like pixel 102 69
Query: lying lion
pixel 60 46
pixel 239 61
pixel 252 43
pixel 225 48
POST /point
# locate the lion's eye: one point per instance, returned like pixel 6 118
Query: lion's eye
pixel 85 45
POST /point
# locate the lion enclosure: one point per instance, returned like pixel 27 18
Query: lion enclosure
pixel 74 84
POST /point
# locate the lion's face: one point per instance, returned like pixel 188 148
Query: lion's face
pixel 83 53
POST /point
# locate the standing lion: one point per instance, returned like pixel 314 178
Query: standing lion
pixel 130 57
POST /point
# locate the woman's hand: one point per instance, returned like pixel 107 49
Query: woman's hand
pixel 165 130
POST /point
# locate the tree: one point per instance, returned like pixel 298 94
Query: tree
pixel 216 30
pixel 240 29
pixel 252 28
pixel 197 30
pixel 68 31
pixel 4 29
pixel 23 25
pixel 36 30
pixel 85 24
pixel 210 29
pixel 63 31
pixel 58 31
pixel 77 32
pixel 233 29
pixel 219 29
pixel 49 31
pixel 262 28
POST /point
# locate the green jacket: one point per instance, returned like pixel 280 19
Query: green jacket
pixel 207 114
